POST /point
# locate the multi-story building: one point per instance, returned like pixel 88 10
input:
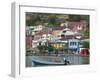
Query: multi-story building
pixel 77 26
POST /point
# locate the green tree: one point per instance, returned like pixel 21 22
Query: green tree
pixel 85 44
pixel 42 48
pixel 52 20
pixel 87 32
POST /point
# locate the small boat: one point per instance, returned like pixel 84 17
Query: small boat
pixel 48 60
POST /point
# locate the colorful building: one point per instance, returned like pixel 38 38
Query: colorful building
pixel 29 41
pixel 77 26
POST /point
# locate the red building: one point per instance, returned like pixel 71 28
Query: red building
pixel 29 41
pixel 84 52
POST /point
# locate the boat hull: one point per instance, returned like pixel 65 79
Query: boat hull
pixel 43 61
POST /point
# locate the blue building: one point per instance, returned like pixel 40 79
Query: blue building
pixel 73 45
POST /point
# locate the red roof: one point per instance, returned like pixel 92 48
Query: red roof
pixel 41 32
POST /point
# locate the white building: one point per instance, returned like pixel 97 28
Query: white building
pixel 38 28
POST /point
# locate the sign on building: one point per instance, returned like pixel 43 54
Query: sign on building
pixel 73 44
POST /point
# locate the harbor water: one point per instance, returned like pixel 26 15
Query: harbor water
pixel 73 59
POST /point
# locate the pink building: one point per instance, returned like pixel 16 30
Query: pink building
pixel 77 26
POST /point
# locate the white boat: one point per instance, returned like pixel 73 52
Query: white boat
pixel 48 60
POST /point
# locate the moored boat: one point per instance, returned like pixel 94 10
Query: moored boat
pixel 48 60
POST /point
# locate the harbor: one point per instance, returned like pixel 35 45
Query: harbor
pixel 56 39
pixel 73 60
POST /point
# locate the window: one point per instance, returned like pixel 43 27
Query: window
pixel 64 31
pixel 62 35
pixel 72 43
